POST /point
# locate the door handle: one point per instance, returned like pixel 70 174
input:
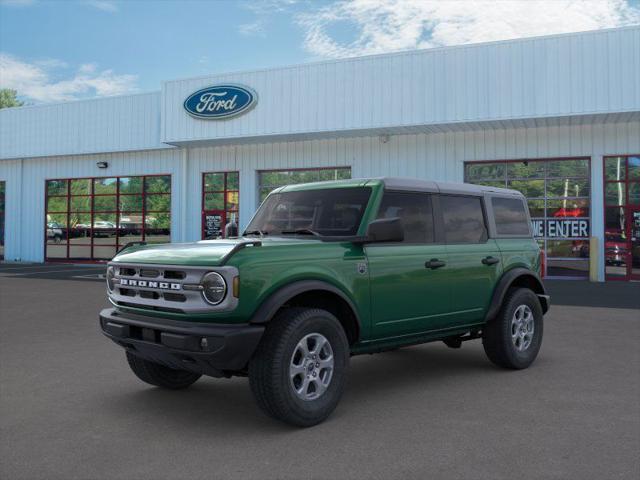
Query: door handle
pixel 490 260
pixel 434 263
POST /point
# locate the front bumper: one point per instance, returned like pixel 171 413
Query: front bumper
pixel 209 349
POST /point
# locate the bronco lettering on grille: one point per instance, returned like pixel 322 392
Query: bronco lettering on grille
pixel 147 284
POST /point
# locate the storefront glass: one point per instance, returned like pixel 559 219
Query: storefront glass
pixel 269 180
pixel 2 210
pixel 622 217
pixel 92 218
pixel 220 204
pixel 558 192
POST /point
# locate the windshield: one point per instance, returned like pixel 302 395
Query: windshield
pixel 327 212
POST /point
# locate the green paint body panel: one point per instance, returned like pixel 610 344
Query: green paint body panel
pixel 397 299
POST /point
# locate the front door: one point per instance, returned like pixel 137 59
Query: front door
pixel 410 292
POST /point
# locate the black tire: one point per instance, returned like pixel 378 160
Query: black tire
pixel 159 375
pixel 269 375
pixel 497 335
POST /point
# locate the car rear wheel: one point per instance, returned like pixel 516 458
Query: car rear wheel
pixel 298 372
pixel 513 338
pixel 159 375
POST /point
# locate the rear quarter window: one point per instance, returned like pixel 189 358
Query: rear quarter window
pixel 510 216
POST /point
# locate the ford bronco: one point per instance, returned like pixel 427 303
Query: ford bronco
pixel 325 271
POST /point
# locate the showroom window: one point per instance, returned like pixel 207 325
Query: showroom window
pixel 558 192
pixel 269 180
pixel 220 201
pixel 92 218
pixel 2 210
pixel 622 217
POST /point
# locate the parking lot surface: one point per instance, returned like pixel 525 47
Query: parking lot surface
pixel 70 408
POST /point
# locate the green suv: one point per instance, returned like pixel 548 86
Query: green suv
pixel 325 271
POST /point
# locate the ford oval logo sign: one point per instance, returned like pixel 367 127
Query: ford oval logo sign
pixel 220 101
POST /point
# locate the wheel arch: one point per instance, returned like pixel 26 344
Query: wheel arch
pixel 517 277
pixel 312 294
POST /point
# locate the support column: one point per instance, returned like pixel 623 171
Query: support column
pixel 597 214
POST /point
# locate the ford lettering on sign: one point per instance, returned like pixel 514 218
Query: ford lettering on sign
pixel 219 102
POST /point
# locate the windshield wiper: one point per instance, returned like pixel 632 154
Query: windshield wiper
pixel 256 232
pixel 302 231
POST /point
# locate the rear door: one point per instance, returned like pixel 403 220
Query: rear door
pixel 410 292
pixel 475 263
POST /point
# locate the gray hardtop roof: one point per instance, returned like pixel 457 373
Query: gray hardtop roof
pixel 415 185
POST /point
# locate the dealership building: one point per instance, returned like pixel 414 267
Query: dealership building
pixel 555 117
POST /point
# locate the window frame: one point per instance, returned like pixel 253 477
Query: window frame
pixel 438 231
pixel 493 226
pixel 91 258
pixel 545 240
pixel 483 208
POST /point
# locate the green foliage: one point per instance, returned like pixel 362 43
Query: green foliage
pixel 8 98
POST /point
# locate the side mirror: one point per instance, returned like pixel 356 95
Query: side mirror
pixel 385 230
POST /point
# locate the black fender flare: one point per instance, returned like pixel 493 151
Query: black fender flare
pixel 507 280
pixel 268 308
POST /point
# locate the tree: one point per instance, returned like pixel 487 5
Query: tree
pixel 8 98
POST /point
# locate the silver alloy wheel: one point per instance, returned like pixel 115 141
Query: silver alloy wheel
pixel 522 328
pixel 311 366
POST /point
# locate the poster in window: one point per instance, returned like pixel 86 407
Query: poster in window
pixel 212 226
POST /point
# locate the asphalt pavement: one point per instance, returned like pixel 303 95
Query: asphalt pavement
pixel 71 409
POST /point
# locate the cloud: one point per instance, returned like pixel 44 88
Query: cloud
pixel 252 29
pixel 388 25
pixel 104 5
pixel 269 6
pixel 36 81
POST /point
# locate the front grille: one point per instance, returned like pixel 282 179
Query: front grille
pixel 156 287
pixel 174 297
pixel 147 273
pixel 148 294
pixel 174 275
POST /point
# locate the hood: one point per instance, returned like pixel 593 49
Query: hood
pixel 203 253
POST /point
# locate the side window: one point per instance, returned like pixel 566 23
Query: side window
pixel 463 219
pixel 510 216
pixel 414 209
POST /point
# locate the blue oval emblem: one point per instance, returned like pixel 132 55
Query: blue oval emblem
pixel 220 101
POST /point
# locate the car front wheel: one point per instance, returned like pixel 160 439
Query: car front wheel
pixel 298 372
pixel 513 338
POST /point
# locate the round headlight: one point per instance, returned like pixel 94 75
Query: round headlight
pixel 214 288
pixel 111 273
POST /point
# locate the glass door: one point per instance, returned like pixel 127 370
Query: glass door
pixel 634 240
pixel 622 217
pixel 2 189
pixel 220 195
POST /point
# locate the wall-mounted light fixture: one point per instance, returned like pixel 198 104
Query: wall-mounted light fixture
pixel 102 164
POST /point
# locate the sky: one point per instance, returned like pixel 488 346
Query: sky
pixel 59 50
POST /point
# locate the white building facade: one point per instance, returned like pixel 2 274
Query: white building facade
pixel 556 117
